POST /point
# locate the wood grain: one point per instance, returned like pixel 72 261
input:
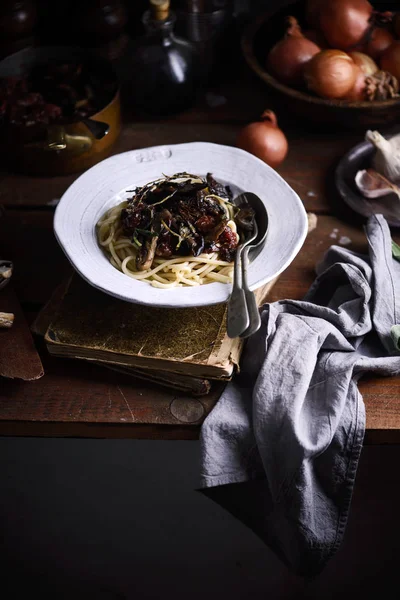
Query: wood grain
pixel 39 263
pixel 382 400
pixel 75 399
pixel 18 356
pixel 23 190
pixel 295 281
pixel 309 160
pixel 79 392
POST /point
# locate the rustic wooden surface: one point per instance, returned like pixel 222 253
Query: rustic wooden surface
pixel 309 159
pixel 18 355
pixel 79 399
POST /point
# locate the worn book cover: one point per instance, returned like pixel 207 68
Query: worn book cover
pixel 192 342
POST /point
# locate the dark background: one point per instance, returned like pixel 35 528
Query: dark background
pixel 121 519
pixel 68 21
pixel 112 519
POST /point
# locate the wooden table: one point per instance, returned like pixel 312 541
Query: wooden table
pixel 78 399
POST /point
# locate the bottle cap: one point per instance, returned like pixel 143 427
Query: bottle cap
pixel 159 9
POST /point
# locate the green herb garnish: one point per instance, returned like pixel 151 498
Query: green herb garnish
pixel 146 232
pixel 396 250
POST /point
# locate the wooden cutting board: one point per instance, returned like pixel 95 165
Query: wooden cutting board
pixel 18 356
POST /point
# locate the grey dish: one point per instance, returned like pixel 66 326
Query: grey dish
pixel 358 158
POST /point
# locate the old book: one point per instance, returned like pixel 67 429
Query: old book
pixel 193 385
pixel 189 342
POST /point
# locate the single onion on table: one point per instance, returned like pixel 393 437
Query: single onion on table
pixel 264 139
pixel 179 230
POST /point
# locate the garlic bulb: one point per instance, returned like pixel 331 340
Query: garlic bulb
pixel 387 156
pixel 374 185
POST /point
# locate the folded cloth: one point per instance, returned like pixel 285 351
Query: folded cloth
pixel 280 449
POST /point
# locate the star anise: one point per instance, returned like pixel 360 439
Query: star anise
pixel 381 86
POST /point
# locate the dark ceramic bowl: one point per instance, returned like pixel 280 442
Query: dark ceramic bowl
pixel 357 159
pixel 263 33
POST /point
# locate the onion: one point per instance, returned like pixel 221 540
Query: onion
pixel 345 23
pixel 390 59
pixel 357 92
pixel 264 139
pixel 331 74
pixel 379 40
pixel 286 60
pixel 366 64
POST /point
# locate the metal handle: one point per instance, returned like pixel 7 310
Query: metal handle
pixel 98 129
pixel 237 316
pixel 252 308
pixel 58 139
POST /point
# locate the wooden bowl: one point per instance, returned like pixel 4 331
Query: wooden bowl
pixel 69 147
pixel 263 33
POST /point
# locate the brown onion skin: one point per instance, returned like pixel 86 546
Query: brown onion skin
pixel 356 93
pixel 331 74
pixel 287 59
pixel 345 23
pixel 365 62
pixel 390 59
pixel 379 40
pixel 264 139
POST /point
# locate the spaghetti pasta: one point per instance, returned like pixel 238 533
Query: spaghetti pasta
pixel 175 249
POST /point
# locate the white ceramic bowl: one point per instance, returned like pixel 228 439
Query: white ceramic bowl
pixel 105 185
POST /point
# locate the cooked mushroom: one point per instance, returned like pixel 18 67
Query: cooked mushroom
pixel 214 234
pixel 217 188
pixel 145 256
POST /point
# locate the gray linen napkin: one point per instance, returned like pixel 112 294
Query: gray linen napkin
pixel 280 449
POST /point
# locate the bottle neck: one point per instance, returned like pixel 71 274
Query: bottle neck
pixel 161 31
pixel 164 28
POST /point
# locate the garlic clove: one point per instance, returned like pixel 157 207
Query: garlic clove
pixel 386 160
pixel 6 319
pixel 6 269
pixel 374 185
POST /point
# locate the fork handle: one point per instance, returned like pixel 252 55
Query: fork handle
pixel 237 319
pixel 252 308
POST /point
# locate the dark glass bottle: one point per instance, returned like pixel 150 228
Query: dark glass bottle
pixel 209 25
pixel 17 24
pixel 165 71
